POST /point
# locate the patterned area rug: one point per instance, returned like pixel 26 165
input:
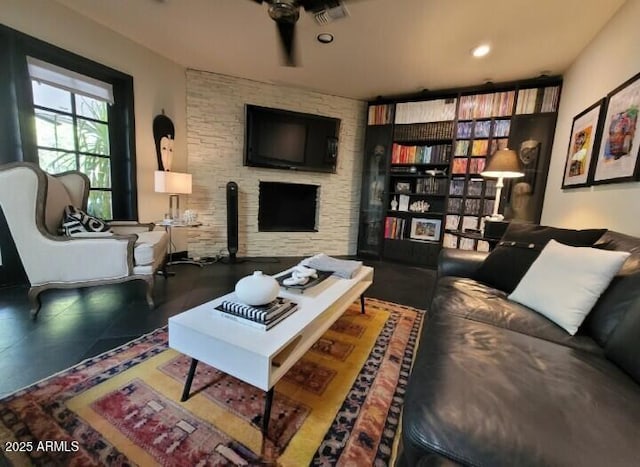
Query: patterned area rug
pixel 339 405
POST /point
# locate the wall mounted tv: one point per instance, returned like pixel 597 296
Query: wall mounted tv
pixel 282 139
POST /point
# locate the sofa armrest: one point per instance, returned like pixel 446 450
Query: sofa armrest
pixel 460 263
pixel 130 227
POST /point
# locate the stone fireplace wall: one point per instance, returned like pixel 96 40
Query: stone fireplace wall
pixel 215 133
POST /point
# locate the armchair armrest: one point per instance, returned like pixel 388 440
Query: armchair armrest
pixel 49 259
pixel 130 227
pixel 461 263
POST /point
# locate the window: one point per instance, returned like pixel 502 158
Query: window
pixel 67 112
pixel 72 129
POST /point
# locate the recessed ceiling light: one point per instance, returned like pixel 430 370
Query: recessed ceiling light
pixel 481 50
pixel 325 38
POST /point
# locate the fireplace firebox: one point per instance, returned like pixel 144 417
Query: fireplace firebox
pixel 287 207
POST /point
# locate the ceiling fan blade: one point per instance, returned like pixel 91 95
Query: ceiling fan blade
pixel 287 30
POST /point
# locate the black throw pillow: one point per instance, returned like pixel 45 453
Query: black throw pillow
pixel 76 220
pixel 520 246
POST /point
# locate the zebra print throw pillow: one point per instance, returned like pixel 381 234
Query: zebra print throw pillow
pixel 76 220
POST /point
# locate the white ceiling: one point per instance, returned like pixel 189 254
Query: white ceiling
pixel 385 47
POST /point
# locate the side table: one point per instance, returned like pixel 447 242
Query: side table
pixel 169 225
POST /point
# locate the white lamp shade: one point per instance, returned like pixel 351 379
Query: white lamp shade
pixel 504 163
pixel 172 182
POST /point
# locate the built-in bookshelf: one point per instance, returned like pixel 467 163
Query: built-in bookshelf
pixel 471 197
pixel 435 147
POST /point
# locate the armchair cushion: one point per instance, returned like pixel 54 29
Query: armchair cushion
pixel 76 220
pixel 150 247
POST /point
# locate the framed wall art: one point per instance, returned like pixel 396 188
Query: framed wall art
pixel 617 159
pixel 584 142
pixel 403 187
pixel 425 229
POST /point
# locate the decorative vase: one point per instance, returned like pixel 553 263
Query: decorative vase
pixel 257 289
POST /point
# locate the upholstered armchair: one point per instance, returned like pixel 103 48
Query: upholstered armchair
pixel 33 204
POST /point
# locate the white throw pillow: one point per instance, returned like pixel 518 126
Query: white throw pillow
pixel 565 282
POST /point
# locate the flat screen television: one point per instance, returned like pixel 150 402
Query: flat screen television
pixel 282 139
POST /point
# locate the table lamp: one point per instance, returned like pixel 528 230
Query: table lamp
pixel 503 164
pixel 174 183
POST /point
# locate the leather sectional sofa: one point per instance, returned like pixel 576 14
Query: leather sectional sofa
pixel 495 383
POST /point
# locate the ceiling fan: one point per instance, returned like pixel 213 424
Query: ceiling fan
pixel 286 13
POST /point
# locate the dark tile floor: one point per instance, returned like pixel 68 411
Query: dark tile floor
pixel 78 324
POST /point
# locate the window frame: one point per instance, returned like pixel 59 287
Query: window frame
pixel 19 122
pixel 76 117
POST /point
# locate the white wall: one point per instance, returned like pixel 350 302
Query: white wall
pixel 158 83
pixel 608 61
pixel 215 121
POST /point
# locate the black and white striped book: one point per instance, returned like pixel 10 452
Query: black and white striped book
pixel 254 324
pixel 263 314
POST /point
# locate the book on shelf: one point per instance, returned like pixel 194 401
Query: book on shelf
pixel 263 314
pixel 498 104
pixel 425 111
pixel 501 128
pixel 462 148
pixel 394 228
pixel 455 205
pixel 472 206
pixel 449 241
pixel 459 165
pixel 255 324
pixel 476 165
pixel 526 102
pixel 467 244
pixel 456 187
pixel 498 143
pixel 490 188
pixel 482 129
pixel 452 222
pixel 464 129
pixel 431 186
pixel 423 131
pixel 480 147
pixel 436 154
pixel 469 222
pixel 550 99
pixel 380 114
pixel 488 207
pixel 474 187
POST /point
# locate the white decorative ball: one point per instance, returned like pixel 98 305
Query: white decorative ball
pixel 257 289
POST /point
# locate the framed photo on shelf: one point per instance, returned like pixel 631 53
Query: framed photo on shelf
pixel 425 229
pixel 403 187
pixel 586 132
pixel 617 159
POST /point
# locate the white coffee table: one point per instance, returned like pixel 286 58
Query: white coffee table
pixel 258 357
